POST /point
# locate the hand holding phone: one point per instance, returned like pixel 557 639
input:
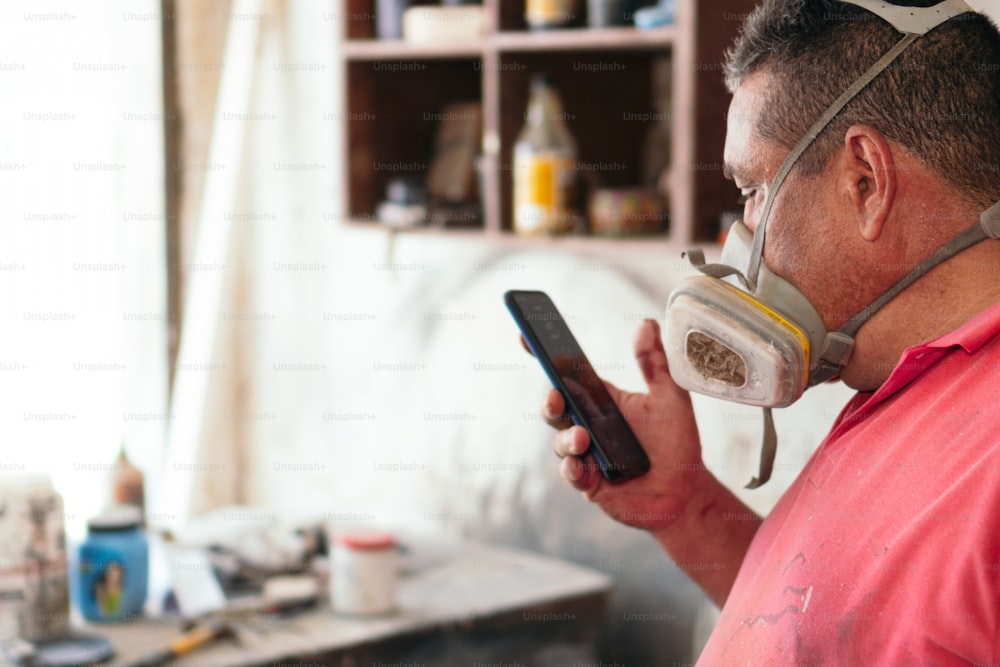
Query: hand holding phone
pixel 612 442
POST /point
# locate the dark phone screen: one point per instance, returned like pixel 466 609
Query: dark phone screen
pixel 584 390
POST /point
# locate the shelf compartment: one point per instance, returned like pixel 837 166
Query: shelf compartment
pixel 610 135
pixel 378 124
pixel 387 138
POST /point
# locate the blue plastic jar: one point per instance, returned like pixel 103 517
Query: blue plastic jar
pixel 113 566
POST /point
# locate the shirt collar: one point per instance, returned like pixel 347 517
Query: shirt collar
pixel 971 336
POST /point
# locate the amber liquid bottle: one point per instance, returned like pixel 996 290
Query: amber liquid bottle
pixel 544 165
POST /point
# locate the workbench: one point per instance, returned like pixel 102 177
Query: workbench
pixel 477 604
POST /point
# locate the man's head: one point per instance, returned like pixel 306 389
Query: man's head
pixel 940 99
pixel 906 165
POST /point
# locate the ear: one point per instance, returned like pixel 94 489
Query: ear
pixel 869 179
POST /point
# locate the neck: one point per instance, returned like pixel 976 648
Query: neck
pixel 941 301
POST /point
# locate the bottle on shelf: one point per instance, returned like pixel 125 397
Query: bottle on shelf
pixel 544 166
pixel 547 14
pixel 389 18
pixel 604 13
pixel 127 483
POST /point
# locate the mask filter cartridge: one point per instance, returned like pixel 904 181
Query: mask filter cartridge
pixel 723 343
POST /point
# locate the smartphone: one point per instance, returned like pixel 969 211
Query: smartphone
pixel 612 442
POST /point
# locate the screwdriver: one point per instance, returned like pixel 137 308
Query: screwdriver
pixel 184 644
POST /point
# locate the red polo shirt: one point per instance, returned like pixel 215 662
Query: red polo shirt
pixel 886 549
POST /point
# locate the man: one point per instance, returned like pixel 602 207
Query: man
pixel 886 549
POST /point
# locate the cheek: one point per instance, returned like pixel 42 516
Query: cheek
pixel 786 246
pixel 800 249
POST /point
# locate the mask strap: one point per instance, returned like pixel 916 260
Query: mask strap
pixel 697 259
pixel 767 452
pixel 988 227
pixel 906 20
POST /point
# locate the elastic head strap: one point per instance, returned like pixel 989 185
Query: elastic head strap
pixel 913 20
pixel 917 21
pixel 990 221
pixel 768 449
pixel 988 227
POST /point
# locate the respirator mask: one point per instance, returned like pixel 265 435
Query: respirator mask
pixel 742 333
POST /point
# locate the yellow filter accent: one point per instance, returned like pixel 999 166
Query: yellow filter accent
pixel 775 316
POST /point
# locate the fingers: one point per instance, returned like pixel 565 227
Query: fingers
pixel 554 410
pixel 580 470
pixel 572 442
pixel 524 344
pixel 652 357
pixel 581 473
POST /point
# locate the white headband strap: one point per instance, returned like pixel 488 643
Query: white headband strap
pixel 913 20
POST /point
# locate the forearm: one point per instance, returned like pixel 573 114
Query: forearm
pixel 712 536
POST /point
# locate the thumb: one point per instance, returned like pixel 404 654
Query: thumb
pixel 652 358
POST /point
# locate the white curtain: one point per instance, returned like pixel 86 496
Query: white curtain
pixel 82 269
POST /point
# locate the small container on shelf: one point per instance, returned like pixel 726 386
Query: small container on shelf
pixel 626 212
pixel 441 25
pixel 656 17
pixel 389 18
pixel 605 13
pixel 549 14
pixel 452 173
pixel 405 204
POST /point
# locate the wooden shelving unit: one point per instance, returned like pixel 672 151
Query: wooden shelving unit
pixel 374 50
pixel 610 39
pixel 393 90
